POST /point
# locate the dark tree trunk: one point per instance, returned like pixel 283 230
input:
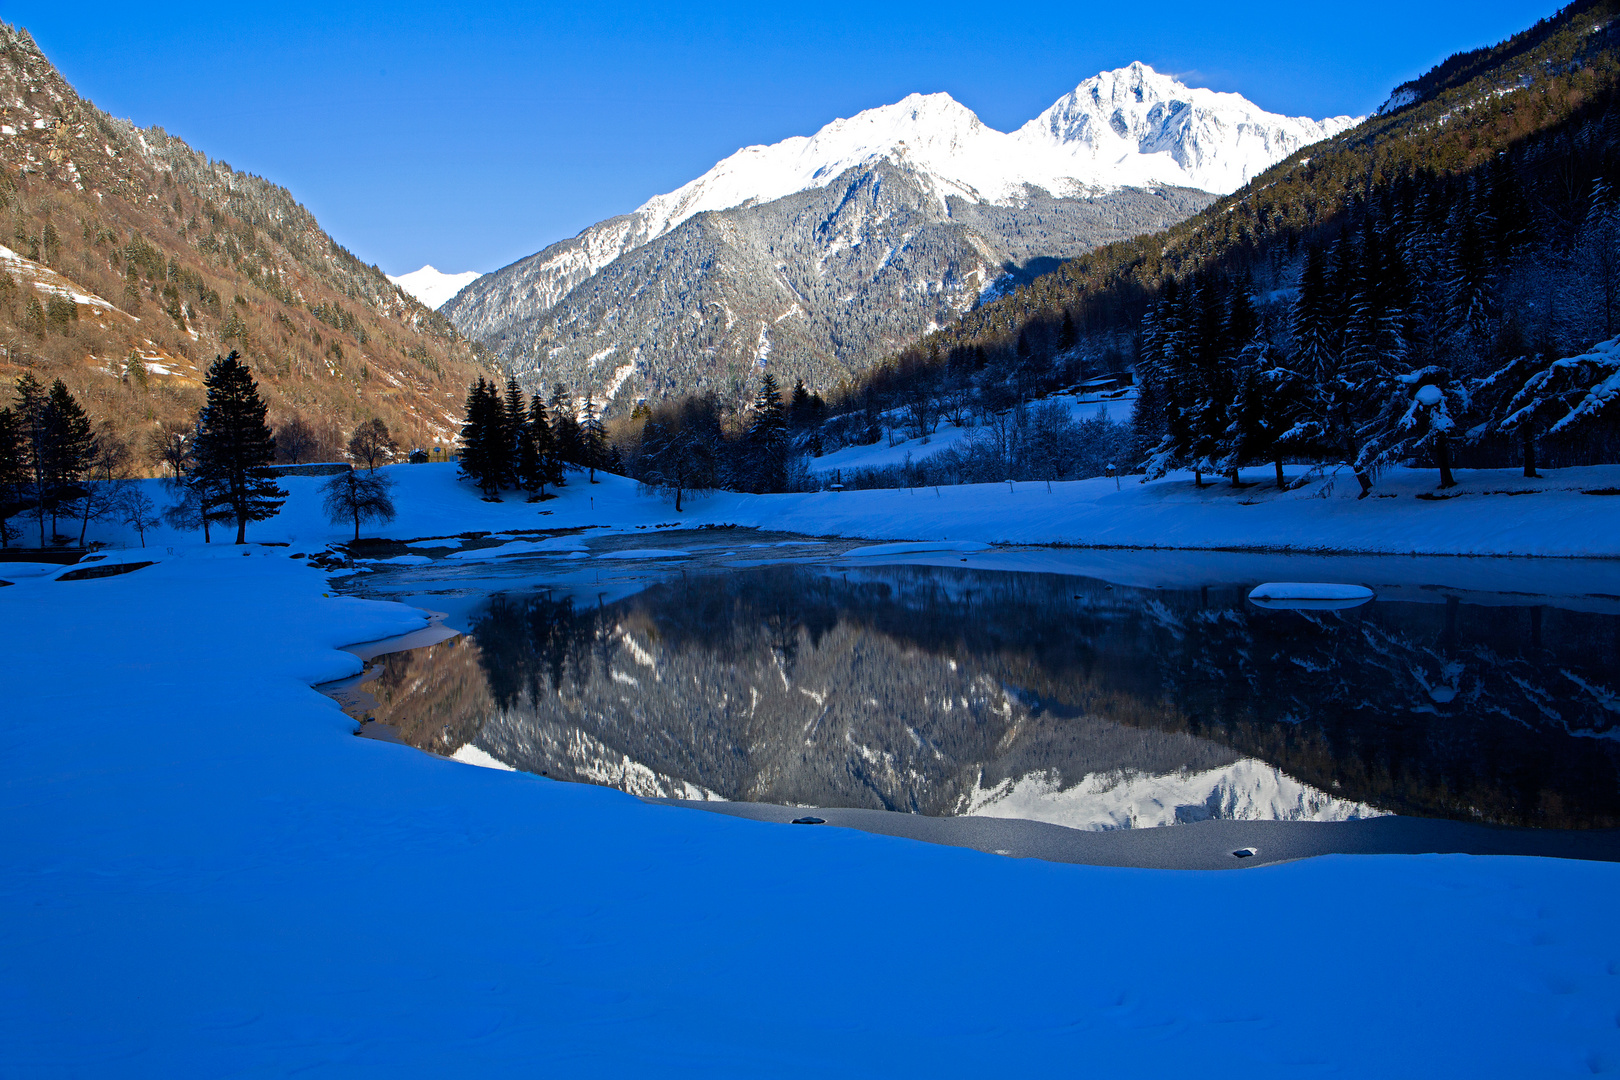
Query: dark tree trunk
pixel 241 528
pixel 1366 484
pixel 1235 481
pixel 1280 482
pixel 1442 458
pixel 1530 453
pixel 1198 478
pixel 677 498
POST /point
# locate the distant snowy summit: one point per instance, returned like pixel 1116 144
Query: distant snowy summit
pixel 820 253
pixel 1127 128
pixel 434 287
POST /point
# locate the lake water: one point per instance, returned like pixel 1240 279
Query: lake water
pixel 1098 690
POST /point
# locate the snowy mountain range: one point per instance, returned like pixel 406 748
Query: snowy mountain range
pixel 434 287
pixel 815 254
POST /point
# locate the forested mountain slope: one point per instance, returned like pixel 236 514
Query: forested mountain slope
pixel 814 256
pixel 132 260
pixel 1386 294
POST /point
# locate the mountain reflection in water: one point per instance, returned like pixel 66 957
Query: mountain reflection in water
pixel 944 691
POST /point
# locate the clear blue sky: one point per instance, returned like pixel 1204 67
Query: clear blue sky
pixel 470 138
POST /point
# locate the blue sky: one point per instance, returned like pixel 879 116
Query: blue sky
pixel 470 138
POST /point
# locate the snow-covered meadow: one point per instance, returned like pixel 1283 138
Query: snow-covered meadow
pixel 205 873
pixel 1490 512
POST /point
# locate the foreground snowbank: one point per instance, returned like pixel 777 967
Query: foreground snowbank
pixel 1491 512
pixel 204 873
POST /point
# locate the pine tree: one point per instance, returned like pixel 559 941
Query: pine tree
pixel 33 437
pixel 768 437
pixel 565 425
pixel 1167 379
pixel 480 436
pixel 1067 335
pixel 234 447
pixel 13 474
pixel 57 445
pixel 514 414
pixel 543 466
pixel 592 438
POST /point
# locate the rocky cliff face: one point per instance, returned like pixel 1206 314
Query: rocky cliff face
pixel 816 255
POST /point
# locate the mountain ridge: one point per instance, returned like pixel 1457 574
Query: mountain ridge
pixel 136 259
pixel 1071 172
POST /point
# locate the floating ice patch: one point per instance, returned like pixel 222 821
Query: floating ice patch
pixel 914 547
pixel 399 560
pixel 646 553
pixel 1309 595
pixel 557 545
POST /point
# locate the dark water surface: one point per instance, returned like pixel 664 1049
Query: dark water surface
pixel 1097 690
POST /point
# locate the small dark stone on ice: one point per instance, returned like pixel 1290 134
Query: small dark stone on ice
pixel 809 821
pixel 1244 853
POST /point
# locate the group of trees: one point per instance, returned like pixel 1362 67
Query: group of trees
pixel 507 443
pixel 55 463
pixel 1436 321
pixel 687 447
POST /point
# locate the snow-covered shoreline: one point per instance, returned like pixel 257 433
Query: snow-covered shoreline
pixel 1490 512
pixel 206 873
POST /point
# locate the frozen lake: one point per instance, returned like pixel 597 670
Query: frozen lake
pixel 1094 689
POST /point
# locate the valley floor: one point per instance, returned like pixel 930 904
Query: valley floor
pixel 205 873
pixel 1569 512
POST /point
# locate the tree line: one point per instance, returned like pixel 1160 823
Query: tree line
pixel 510 443
pixel 1437 323
pixel 55 463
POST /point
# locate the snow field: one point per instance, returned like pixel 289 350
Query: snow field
pixel 1082 407
pixel 205 873
pixel 1491 512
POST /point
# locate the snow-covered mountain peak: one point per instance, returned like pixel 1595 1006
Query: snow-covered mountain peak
pixel 1135 125
pixel 928 130
pixel 434 287
pixel 1128 127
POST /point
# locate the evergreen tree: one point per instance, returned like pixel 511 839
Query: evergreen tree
pixel 1168 379
pixel 1315 349
pixel 592 438
pixel 1068 338
pixel 13 474
pixel 56 446
pixel 801 409
pixel 32 438
pixel 480 438
pixel 1510 411
pixel 768 437
pixel 543 466
pixel 565 425
pixel 514 414
pixel 234 447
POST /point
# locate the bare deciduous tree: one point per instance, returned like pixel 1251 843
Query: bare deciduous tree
pixel 357 497
pixel 371 445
